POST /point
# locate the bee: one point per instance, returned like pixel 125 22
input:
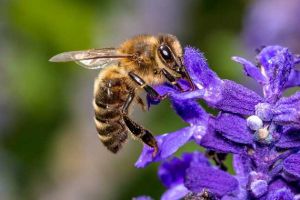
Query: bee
pixel 136 65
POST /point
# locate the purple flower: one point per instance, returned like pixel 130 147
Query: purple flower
pixel 262 132
pixel 193 174
pixel 273 21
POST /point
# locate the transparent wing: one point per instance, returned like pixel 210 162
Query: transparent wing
pixel 91 59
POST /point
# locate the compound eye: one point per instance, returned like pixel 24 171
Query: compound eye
pixel 165 52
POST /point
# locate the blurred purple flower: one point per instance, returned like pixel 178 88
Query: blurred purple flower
pixel 263 133
pixel 273 22
pixel 142 198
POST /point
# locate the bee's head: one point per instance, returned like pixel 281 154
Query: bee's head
pixel 169 52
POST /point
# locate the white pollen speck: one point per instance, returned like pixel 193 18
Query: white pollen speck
pixel 262 133
pixel 254 122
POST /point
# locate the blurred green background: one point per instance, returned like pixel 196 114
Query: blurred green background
pixel 49 147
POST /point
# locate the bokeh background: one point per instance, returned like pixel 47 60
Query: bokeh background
pixel 49 147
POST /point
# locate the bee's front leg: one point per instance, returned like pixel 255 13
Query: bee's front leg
pixel 171 79
pixel 150 90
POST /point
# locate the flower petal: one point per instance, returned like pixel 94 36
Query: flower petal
pixel 146 156
pixel 250 69
pixel 281 194
pixel 278 190
pixel 196 94
pixel 236 98
pixel 242 167
pixel 197 67
pixel 241 164
pixel 294 79
pixel 287 110
pixel 215 141
pixel 175 193
pixel 276 65
pixel 264 111
pixel 291 165
pixel 216 181
pixel 233 128
pixel 277 184
pixel 173 141
pixel 190 111
pixel 172 172
pixel 167 145
pixel 289 139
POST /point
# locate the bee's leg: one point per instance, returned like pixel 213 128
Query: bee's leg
pixel 171 79
pixel 129 100
pixel 141 133
pixel 140 101
pixel 137 130
pixel 187 76
pixel 127 103
pixel 150 90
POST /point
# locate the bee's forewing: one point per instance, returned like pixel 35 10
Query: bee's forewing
pixel 98 63
pixel 69 56
pixel 92 59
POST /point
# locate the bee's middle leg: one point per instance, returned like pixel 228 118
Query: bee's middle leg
pixel 137 130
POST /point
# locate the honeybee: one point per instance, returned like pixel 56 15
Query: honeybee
pixel 136 65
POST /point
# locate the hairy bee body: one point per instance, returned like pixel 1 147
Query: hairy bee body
pixel 113 85
pixel 110 94
pixel 145 62
pixel 137 64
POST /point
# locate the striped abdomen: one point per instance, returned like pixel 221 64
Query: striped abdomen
pixel 110 96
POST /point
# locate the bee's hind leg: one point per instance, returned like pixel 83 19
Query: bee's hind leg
pixel 141 133
pixel 137 130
